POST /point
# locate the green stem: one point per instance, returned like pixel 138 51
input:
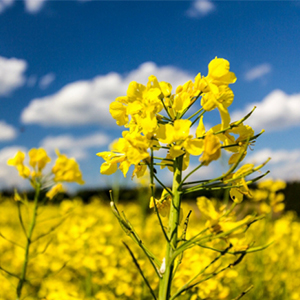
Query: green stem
pixel 195 114
pixel 174 218
pixel 190 105
pixel 29 241
pixel 191 173
pixel 202 113
pixel 152 175
pixel 186 286
pixel 166 109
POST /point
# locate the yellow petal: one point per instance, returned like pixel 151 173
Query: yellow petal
pixel 165 133
pixel 206 208
pixel 236 196
pixel 218 67
pixel 200 131
pixel 181 129
pixel 194 146
pixel 108 168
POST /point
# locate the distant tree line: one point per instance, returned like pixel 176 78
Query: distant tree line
pixel 291 192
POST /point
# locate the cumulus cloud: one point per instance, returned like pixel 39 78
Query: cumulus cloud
pixel 258 72
pixel 9 175
pixel 5 4
pixel 34 6
pixel 74 147
pixel 87 102
pixel 11 74
pixel 275 112
pixel 7 132
pixel 284 164
pixel 46 80
pixel 31 6
pixel 200 8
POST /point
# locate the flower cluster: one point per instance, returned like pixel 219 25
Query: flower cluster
pixel 269 197
pixel 64 170
pixel 154 119
pixel 38 158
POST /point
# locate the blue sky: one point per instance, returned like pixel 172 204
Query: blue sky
pixel 63 62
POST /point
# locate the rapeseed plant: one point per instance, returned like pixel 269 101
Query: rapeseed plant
pixel 64 170
pixel 155 119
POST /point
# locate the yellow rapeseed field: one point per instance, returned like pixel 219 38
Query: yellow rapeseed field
pixel 84 257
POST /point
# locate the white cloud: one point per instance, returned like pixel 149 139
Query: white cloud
pixel 5 4
pixel 284 164
pixel 275 112
pixel 277 156
pixel 7 132
pixel 9 175
pixel 74 147
pixel 31 6
pixel 46 80
pixel 258 72
pixel 200 8
pixel 34 6
pixel 11 74
pixel 87 102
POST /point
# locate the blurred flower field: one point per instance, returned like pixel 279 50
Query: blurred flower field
pixel 77 253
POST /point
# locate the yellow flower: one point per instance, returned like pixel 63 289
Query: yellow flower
pixel 142 103
pixel 178 136
pixel 208 210
pixel 17 162
pixel 166 88
pixel 237 194
pixel 66 169
pixel 181 101
pixel 267 193
pixel 244 131
pixel 200 131
pixel 212 149
pixel 118 112
pixel 171 134
pixel 112 158
pixel 193 146
pixel 108 168
pixel 163 204
pixel 218 222
pixel 17 196
pixel 127 151
pixel 147 122
pixel 18 159
pixel 218 72
pixel 38 158
pixel 272 185
pixel 58 188
pixel 220 100
pixel 139 171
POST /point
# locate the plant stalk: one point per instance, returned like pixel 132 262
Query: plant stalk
pixel 28 242
pixel 174 219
